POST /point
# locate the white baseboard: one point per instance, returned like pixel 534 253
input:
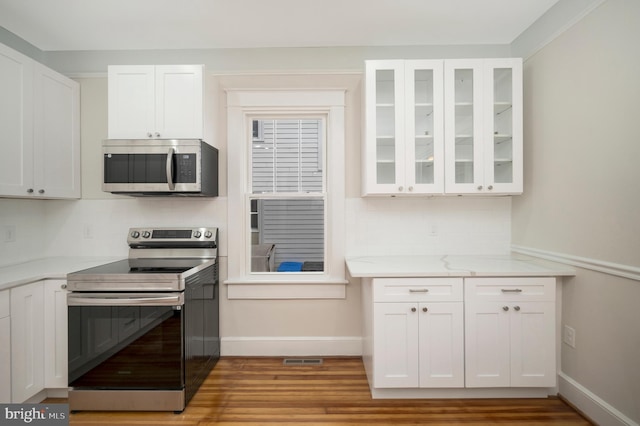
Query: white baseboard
pixel 292 346
pixel 590 404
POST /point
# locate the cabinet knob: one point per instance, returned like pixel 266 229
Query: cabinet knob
pixel 425 309
pixel 505 308
pixel 413 309
pixel 517 308
pixel 410 188
pixel 157 135
pixel 63 286
pixel 490 187
pixel 400 189
pixel 479 187
pixel 30 190
pixel 41 191
pixel 149 135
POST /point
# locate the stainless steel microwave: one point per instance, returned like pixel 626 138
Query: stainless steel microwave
pixel 182 167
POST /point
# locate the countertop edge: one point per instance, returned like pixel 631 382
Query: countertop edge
pixel 48 268
pixel 462 266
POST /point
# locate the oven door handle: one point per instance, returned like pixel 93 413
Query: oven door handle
pixel 124 300
pixel 169 169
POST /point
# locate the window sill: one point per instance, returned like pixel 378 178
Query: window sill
pixel 263 289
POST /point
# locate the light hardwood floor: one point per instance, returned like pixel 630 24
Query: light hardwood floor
pixel 261 391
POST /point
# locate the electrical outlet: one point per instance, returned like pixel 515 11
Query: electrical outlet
pixel 569 336
pixel 9 233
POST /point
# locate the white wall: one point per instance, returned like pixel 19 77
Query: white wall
pixel 27 220
pixel 581 200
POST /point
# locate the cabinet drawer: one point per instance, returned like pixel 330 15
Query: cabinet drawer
pixel 510 289
pixel 417 289
pixel 4 304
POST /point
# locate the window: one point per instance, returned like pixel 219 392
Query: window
pixel 287 201
pixel 286 176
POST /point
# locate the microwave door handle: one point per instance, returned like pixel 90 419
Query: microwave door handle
pixel 169 169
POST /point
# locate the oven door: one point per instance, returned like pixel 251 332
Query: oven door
pixel 159 166
pixel 122 344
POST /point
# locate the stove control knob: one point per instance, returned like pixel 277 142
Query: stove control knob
pixel 135 234
pixel 146 234
pixel 197 234
pixel 208 234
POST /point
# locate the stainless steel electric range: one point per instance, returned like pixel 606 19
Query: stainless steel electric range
pixel 144 331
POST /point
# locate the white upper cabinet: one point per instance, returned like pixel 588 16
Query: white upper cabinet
pixel 156 102
pixel 443 127
pixel 483 126
pixel 403 151
pixel 39 129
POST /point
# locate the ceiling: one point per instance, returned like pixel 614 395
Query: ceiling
pixel 201 24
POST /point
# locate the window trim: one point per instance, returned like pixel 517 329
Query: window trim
pixel 242 107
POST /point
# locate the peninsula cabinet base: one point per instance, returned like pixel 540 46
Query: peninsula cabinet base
pixel 461 393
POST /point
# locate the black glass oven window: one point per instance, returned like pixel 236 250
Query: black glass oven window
pixel 148 168
pixel 125 347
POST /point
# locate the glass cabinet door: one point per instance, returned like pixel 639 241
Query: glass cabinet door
pixel 463 125
pixel 503 160
pixel 384 127
pixel 424 133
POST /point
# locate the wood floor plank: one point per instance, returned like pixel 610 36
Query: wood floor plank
pixel 262 391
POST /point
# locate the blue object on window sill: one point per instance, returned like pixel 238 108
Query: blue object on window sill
pixel 290 267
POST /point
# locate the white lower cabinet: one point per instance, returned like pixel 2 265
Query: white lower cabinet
pixel 510 332
pixel 5 350
pixel 27 341
pixel 418 342
pixel 459 333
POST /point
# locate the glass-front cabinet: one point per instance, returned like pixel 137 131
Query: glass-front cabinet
pixel 404 152
pixel 483 126
pixel 443 127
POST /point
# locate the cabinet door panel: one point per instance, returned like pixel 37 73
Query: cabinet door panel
pixel 55 326
pixel 384 131
pixel 503 125
pixel 463 125
pixel 533 354
pixel 424 131
pixel 27 337
pixel 131 101
pixel 487 345
pixel 179 102
pixel 56 135
pixel 395 345
pixel 441 345
pixel 5 361
pixel 16 123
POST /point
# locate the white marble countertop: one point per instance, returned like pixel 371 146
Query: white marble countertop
pixel 514 265
pixel 47 268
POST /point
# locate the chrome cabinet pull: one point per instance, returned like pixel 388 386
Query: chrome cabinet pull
pixel 418 290
pixel 511 290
